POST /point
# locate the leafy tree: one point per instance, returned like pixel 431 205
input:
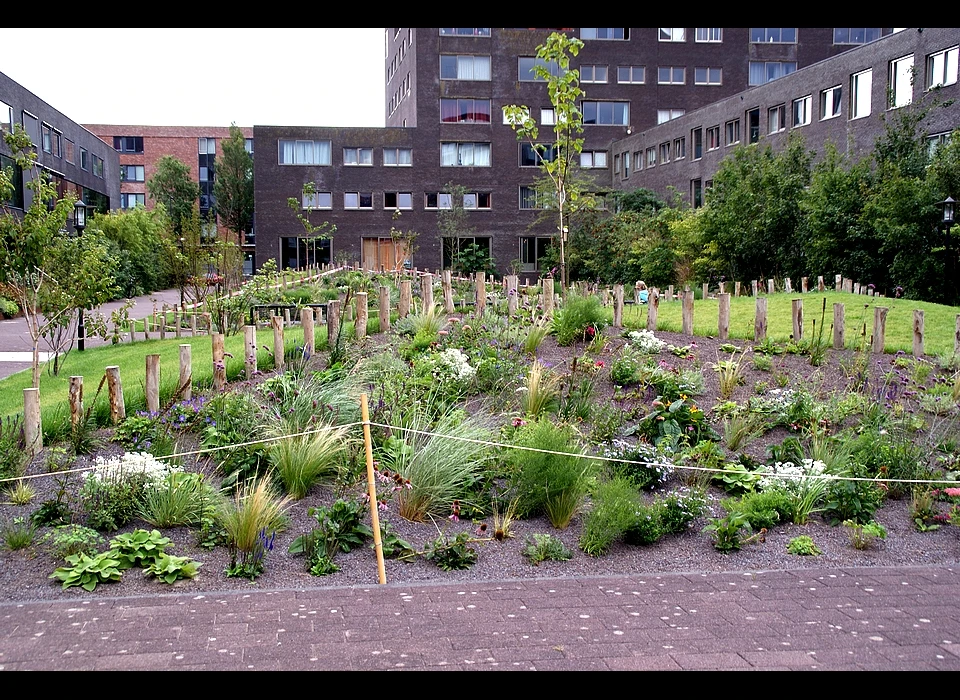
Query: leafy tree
pixel 313 232
pixel 174 188
pixel 567 191
pixel 233 185
pixel 137 238
pixel 453 224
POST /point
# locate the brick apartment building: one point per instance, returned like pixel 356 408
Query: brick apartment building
pixel 140 147
pixel 79 163
pixel 445 90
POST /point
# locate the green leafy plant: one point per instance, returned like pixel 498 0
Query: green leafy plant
pixel 581 318
pixel 613 510
pixel 87 572
pixel 678 420
pixel 763 509
pixel 742 428
pixel 340 529
pixel 737 479
pixel 803 545
pixel 69 539
pixel 169 568
pixel 642 464
pixel 541 548
pixel 138 548
pixel 503 519
pixel 865 535
pixel 452 554
pixel 728 533
pixel 678 509
pixel 392 545
pixel 18 534
pixel 923 510
pixel 646 527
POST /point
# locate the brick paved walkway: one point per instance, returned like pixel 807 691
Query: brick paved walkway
pixel 854 619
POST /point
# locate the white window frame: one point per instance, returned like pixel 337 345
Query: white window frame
pixel 400 201
pixel 708 35
pixel 593 33
pixel 680 148
pixel 471 201
pixel 358 156
pixel 463 61
pixel 548 116
pixel 776 119
pixel 351 201
pixel 462 149
pixel 508 121
pixel 444 200
pixel 665 115
pixel 297 153
pixel 802 111
pixel 626 112
pixel 589 73
pixel 664 156
pixel 672 80
pixel 861 94
pixel 942 68
pixel 901 81
pixel 317 200
pixel 768 36
pixel 713 133
pixel 710 77
pixel 731 132
pixel 397 163
pixel 831 102
pixel 593 159
pixel 538 204
pixel 651 157
pixel 632 79
pixel 672 34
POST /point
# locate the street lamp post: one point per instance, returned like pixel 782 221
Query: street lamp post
pixel 80 223
pixel 184 271
pixel 946 221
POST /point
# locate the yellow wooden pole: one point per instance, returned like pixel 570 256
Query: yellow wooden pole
pixel 372 489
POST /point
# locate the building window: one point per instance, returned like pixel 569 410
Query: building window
pixel 764 71
pixel 437 200
pixel 672 34
pixel 856 36
pixel 665 115
pixel 358 200
pixel 397 200
pixel 453 245
pixel 527 69
pixel 664 153
pixel 651 157
pixel 830 101
pixel 593 74
pixel 679 148
pixel 753 125
pixel 696 137
pixel 612 34
pixel 802 110
pixel 707 76
pixel 130 200
pixel 860 92
pixel 45 139
pixel 714 34
pixel 464 111
pixel 397 156
pixel 466 31
pixel 358 156
pixel 304 152
pixel 942 68
pixel 131 173
pixel 476 200
pixel 128 144
pixel 532 155
pixel 32 126
pixel 713 138
pixel 631 74
pixel 935 141
pixel 671 75
pixel 901 81
pixel 626 165
pixel 465 155
pixel 6 118
pixel 610 113
pixel 84 162
pixel 529 198
pixel 548 117
pixel 696 193
pixel 593 159
pixel 248 146
pixel 616 163
pixel 776 119
pixel 68 150
pixel 731 131
pixel 464 67
pixel 637 161
pixel 207 145
pixel 317 200
pixel 774 35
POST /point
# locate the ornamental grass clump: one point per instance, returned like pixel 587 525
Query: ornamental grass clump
pixel 180 498
pixel 581 318
pixel 250 519
pixel 614 505
pixel 541 394
pixel 302 461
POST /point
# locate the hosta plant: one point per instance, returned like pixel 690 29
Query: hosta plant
pixel 87 572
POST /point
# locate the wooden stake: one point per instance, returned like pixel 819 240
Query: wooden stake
pixel 426 291
pixel 372 490
pixel 309 333
pixel 219 362
pixel 278 348
pixel 513 294
pixel 760 319
pixel 653 306
pixel 839 326
pixel 480 294
pixel 76 400
pixel 447 284
pixel 360 326
pixel 797 314
pixel 406 298
pixel 383 311
pixel 32 433
pixel 333 322
pixel 250 350
pixel 118 409
pixel 618 306
pixel 152 383
pixel 918 332
pixel 879 328
pixel 687 313
pixel 186 372
pixel 787 286
pixel 723 317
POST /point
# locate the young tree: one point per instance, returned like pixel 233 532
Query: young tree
pixel 567 191
pixel 453 224
pixel 174 188
pixel 233 184
pixel 313 232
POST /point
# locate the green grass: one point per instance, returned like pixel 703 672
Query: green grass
pixel 939 320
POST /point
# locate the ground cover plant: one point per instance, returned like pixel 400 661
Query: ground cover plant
pixel 623 451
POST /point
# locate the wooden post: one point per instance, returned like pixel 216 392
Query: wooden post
pixel 309 332
pixel 32 433
pixel 838 282
pixel 383 312
pixel 670 293
pixel 547 284
pixel 918 332
pixel 770 286
pixel 250 350
pixel 797 314
pixel 760 320
pixel 723 318
pixel 146 327
pixel 154 322
pixel 219 362
pixel 193 324
pixel 687 313
pixel 446 283
pixel 176 320
pixel 956 337
pixel 722 287
pixel 480 293
pixel 76 401
pixel 426 291
pixel 208 322
pixel 839 326
pixel 333 318
pixel 736 289
pixel 406 297
pixel 803 285
pixel 278 348
pixel 163 322
pixel 286 317
pixel 706 289
pixel 653 306
pixel 787 286
pixel 879 328
pixel 755 287
pixel 513 292
pixel 856 288
pixel 152 383
pixel 118 409
pixel 820 285
pixel 618 306
pixel 360 325
pixel 186 372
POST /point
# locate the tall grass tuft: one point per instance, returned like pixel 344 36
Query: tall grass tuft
pixel 541 394
pixel 302 461
pixel 534 338
pixel 615 505
pixel 180 498
pixel 438 459
pixel 253 509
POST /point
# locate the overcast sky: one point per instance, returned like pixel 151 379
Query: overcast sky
pixel 203 77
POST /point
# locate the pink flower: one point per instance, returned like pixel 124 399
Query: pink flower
pixel 952 492
pixel 518 422
pixel 599 364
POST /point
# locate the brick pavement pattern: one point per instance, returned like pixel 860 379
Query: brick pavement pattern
pixel 901 618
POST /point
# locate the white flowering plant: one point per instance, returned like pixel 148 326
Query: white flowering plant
pixel 453 365
pixel 645 341
pixel 114 488
pixel 805 484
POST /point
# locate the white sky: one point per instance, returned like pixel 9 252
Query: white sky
pixel 203 77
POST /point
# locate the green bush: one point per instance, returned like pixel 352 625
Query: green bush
pixel 541 548
pixel 679 509
pixel 615 504
pixel 762 509
pixel 647 526
pixel 580 318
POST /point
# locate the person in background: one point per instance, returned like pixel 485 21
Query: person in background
pixel 642 293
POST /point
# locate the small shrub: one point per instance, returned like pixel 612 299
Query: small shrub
pixel 452 554
pixel 72 539
pixel 923 510
pixel 541 548
pixel 580 318
pixel 541 394
pixel 614 507
pixel 763 510
pixel 804 546
pixel 17 534
pixel 642 464
pixel 679 509
pixel 646 527
pixel 728 532
pixel 865 535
